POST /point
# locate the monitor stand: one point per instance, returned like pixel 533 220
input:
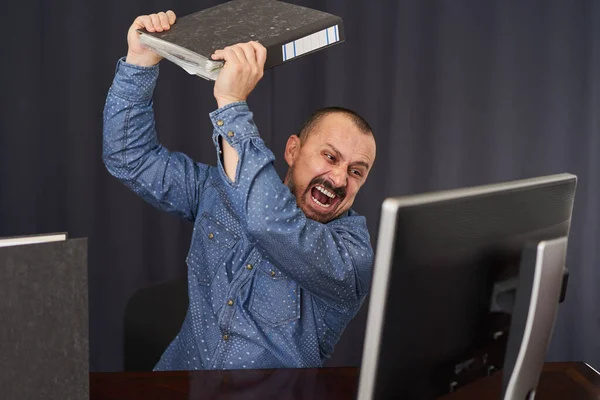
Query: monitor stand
pixel 538 292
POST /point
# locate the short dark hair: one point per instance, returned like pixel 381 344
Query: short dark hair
pixel 312 121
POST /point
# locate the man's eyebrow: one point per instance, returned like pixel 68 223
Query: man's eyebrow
pixel 362 163
pixel 335 150
pixel 339 155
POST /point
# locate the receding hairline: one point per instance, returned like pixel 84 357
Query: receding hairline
pixel 309 125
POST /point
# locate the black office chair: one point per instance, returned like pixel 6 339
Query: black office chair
pixel 153 317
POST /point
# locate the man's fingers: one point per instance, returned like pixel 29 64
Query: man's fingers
pixel 261 54
pixel 144 21
pixel 239 53
pixel 249 53
pixel 156 22
pixel 231 55
pixel 171 16
pixel 218 55
pixel 227 55
pixel 252 53
pixel 164 21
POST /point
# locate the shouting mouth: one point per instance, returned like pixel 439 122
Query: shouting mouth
pixel 322 197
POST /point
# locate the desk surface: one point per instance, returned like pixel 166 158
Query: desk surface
pixel 573 381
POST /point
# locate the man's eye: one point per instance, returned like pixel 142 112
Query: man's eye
pixel 356 172
pixel 330 157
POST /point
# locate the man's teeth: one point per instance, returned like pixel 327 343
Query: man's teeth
pixel 319 203
pixel 325 192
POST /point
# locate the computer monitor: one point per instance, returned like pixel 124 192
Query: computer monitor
pixel 466 282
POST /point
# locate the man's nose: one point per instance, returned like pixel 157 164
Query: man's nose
pixel 339 177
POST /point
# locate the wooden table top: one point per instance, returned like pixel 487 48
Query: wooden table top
pixel 565 381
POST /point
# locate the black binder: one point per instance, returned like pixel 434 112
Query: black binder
pixel 288 31
pixel 44 348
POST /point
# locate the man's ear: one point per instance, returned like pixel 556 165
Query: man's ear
pixel 292 148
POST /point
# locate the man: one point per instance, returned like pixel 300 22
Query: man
pixel 275 269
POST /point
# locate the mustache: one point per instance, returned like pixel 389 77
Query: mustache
pixel 339 191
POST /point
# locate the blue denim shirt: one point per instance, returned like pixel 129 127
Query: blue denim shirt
pixel 268 288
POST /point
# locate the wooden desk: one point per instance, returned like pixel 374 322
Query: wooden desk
pixel 564 381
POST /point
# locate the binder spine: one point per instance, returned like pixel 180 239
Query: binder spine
pixel 310 38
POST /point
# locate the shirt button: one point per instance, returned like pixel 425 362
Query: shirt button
pixel 210 235
pixel 230 134
pixel 272 273
pixel 225 337
pixel 220 122
pixel 249 267
pixel 229 302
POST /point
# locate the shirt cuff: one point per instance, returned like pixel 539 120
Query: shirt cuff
pixel 234 123
pixel 134 82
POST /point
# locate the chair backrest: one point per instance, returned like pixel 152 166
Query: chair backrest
pixel 153 317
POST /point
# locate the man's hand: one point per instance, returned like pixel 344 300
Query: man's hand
pixel 244 67
pixel 138 54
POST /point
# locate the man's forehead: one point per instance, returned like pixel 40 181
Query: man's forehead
pixel 333 125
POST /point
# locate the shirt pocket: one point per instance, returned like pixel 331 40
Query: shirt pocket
pixel 275 298
pixel 213 243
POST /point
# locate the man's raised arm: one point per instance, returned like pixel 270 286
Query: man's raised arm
pixel 168 180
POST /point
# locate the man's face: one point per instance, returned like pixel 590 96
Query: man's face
pixel 328 169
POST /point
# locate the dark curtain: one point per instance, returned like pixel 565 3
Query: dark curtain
pixel 458 93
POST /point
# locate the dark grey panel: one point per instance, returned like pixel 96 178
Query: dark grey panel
pixel 44 321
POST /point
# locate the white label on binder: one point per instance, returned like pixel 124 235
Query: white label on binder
pixel 310 43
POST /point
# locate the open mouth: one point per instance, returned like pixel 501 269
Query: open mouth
pixel 323 197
